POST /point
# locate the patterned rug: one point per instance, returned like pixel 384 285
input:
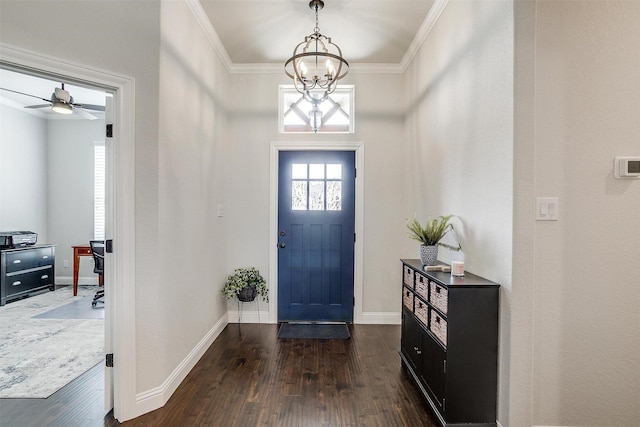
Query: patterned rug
pixel 38 356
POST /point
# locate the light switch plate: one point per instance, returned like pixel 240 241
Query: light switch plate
pixel 547 209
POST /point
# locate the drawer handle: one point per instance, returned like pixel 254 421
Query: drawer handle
pixel 17 261
pixel 16 283
pixel 437 320
pixel 437 290
pixel 415 348
pixel 420 304
pixel 45 257
pixel 44 276
pixel 418 352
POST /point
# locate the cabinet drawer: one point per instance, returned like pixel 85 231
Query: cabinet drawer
pixel 27 281
pixel 439 297
pixel 421 311
pixel 407 298
pixel 407 276
pixel 422 286
pixel 29 258
pixel 438 326
pixel 84 251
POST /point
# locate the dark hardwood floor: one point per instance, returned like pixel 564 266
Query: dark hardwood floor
pixel 249 377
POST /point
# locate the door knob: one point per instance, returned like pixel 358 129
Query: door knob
pixel 283 245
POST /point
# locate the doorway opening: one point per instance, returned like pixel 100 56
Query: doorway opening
pixel 119 212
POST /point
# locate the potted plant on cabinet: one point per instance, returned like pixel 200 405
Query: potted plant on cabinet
pixel 245 284
pixel 430 236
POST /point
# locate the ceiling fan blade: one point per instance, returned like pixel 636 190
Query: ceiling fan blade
pixel 90 107
pixel 84 114
pixel 22 93
pixel 38 106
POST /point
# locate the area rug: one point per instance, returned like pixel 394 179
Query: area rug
pixel 38 356
pixel 314 331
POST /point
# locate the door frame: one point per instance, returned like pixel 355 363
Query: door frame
pixel 121 222
pixel 358 259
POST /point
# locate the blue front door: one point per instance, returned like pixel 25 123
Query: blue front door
pixel 316 226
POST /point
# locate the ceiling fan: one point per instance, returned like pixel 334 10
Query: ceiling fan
pixel 62 102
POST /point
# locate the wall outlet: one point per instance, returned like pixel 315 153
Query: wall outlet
pixel 65 263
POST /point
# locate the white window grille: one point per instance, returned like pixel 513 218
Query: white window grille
pixel 337 111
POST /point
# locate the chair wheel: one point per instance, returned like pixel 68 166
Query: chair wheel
pixel 93 303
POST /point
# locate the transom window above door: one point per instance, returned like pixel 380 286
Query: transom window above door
pixel 316 187
pixel 333 115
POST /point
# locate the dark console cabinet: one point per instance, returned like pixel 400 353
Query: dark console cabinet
pixel 449 343
pixel 26 270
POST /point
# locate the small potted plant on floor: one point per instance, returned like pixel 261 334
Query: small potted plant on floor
pixel 245 284
pixel 430 236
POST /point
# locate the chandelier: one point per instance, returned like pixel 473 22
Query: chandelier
pixel 317 64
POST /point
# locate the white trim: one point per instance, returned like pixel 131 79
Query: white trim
pixel 123 266
pixel 85 280
pixel 422 34
pixel 276 147
pixel 381 318
pixel 205 23
pixel 260 316
pixel 157 397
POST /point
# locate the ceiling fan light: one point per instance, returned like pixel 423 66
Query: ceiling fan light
pixel 62 108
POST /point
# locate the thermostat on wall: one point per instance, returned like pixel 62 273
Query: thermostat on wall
pixel 626 167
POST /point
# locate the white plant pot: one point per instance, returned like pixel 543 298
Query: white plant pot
pixel 428 254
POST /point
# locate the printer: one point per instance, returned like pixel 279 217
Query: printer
pixel 16 239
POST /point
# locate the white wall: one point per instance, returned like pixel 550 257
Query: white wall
pixel 23 173
pixel 586 361
pixel 379 126
pixel 192 177
pixel 459 152
pixel 69 187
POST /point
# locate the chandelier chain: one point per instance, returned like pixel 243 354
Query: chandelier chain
pixel 317 27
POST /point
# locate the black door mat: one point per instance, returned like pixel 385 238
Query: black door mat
pixel 314 331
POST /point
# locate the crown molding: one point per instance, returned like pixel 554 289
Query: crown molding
pixel 202 18
pixel 358 68
pixel 422 34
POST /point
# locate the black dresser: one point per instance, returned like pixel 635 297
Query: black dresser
pixel 26 270
pixel 449 343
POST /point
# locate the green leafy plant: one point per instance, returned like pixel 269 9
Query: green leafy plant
pixel 243 277
pixel 432 232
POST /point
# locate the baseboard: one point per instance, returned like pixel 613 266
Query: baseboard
pixel 157 397
pixel 381 318
pixel 260 316
pixel 85 280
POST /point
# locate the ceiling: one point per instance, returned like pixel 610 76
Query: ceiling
pixel 266 31
pixel 372 32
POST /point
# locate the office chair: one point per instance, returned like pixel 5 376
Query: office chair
pixel 97 250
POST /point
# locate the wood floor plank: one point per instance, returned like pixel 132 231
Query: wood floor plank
pixel 249 377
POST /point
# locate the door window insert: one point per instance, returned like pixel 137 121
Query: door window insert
pixel 316 187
